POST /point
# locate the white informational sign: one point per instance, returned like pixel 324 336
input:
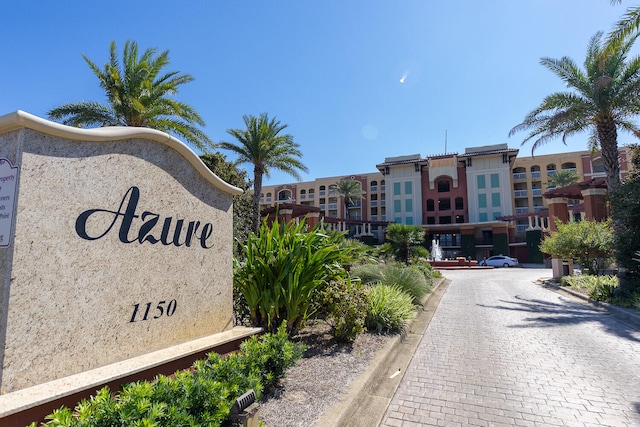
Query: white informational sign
pixel 8 183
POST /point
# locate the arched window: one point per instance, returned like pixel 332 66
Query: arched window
pixel 443 186
pixel 268 197
pixel 284 195
pixel 551 169
pixel 430 205
pixel 569 166
pixel 374 183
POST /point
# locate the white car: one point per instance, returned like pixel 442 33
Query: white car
pixel 500 261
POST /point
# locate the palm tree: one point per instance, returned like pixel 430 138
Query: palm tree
pixel 402 238
pixel 262 145
pixel 350 191
pixel 138 95
pixel 562 178
pixel 628 25
pixel 604 97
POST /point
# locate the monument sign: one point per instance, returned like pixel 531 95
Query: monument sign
pixel 114 243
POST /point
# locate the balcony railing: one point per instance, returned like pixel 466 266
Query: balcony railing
pixel 323 206
pixel 383 203
pixel 520 193
pixel 333 206
pixel 536 192
pixel 535 174
pixel 322 192
pixel 520 176
pixel 552 173
pixel 574 170
pixel 382 187
pixel 521 228
pixel 373 203
pixel 374 188
pixel 303 196
pixel 355 204
pixel 374 217
pixel 311 195
pixel 538 208
pixel 522 210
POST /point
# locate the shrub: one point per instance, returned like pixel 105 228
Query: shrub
pixel 202 396
pixel 600 288
pixel 390 309
pixel 283 267
pixel 368 273
pixel 343 304
pixel 411 280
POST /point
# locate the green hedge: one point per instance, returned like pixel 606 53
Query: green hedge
pixel 202 396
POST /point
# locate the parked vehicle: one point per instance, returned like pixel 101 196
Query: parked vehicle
pixel 500 261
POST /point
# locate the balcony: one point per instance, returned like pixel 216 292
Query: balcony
pixel 333 206
pixel 552 173
pixel 383 203
pixel 535 175
pixel 382 187
pixel 303 196
pixel 574 170
pixel 519 176
pixel 520 194
pixel 373 203
pixel 311 195
pixel 536 192
pixel 521 228
pixel 538 208
pixel 374 217
pixel 323 206
pixel 522 210
pixel 356 204
pixel 374 188
pixel 322 192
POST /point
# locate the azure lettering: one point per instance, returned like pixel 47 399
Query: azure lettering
pixel 147 225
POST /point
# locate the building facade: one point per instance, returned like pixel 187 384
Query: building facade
pixel 475 204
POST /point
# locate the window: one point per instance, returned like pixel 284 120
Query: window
pixel 496 215
pixel 407 187
pixel 459 203
pixel 396 188
pixel 430 205
pixel 397 220
pixel 268 197
pixel 443 186
pixel 445 220
pixel 408 205
pixel 409 220
pixel 481 181
pixel 397 206
pixel 374 183
pixel 459 219
pixel 482 200
pixel 322 190
pixel 431 220
pixel 444 204
pixel 495 180
pixel 495 200
pixel 284 195
pixel 482 217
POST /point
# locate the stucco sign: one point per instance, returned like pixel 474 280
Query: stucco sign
pixel 8 180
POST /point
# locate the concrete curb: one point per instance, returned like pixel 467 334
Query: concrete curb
pixel 370 393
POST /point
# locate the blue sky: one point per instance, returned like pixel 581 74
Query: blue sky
pixel 329 69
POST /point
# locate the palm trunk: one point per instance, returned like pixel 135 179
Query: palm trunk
pixel 608 137
pixel 257 189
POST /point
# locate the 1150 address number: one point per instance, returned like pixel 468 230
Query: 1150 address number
pixel 159 311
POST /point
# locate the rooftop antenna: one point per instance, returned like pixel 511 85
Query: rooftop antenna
pixel 445 141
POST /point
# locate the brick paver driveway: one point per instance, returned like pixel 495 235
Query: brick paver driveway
pixel 502 351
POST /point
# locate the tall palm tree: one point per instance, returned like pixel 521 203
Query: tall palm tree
pixel 138 95
pixel 603 99
pixel 627 26
pixel 350 191
pixel 262 145
pixel 562 178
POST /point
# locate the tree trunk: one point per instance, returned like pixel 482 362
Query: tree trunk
pixel 257 189
pixel 608 138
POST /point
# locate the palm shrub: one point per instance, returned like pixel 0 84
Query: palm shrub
pixel 600 288
pixel 390 309
pixel 368 273
pixel 282 267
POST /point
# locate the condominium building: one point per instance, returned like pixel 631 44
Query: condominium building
pixel 476 204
